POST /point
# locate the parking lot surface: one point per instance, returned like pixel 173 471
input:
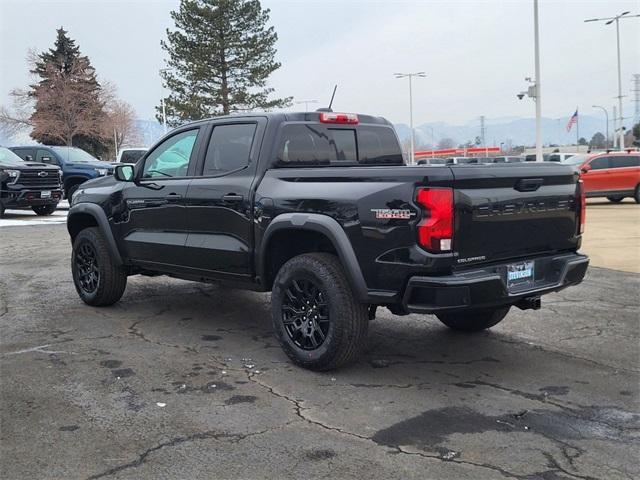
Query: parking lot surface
pixel 184 380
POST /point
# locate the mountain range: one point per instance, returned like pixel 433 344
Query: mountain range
pixel 507 130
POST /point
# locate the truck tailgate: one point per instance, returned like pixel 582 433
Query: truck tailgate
pixel 514 210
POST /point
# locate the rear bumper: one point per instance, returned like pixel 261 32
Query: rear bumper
pixel 487 287
pixel 28 198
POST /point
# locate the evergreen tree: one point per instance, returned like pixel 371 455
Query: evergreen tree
pixel 220 57
pixel 68 108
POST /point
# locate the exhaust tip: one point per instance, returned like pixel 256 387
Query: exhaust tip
pixel 530 303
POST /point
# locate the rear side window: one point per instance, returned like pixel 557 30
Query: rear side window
pixel 229 148
pixel 379 145
pixel 312 144
pixel 600 163
pixel 625 161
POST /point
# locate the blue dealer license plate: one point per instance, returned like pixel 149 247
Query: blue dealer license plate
pixel 520 275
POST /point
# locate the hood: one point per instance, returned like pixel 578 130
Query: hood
pixel 29 166
pixel 90 165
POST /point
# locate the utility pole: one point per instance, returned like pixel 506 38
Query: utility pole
pixel 538 92
pixel 615 128
pixel 636 97
pixel 482 134
pixel 306 103
pixel 609 21
pixel 410 76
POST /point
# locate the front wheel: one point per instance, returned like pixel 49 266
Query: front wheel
pixel 316 317
pixel 43 210
pixel 636 194
pixel 70 191
pixel 98 279
pixel 474 320
pixel 616 199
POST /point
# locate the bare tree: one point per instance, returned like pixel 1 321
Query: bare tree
pixel 120 124
pixel 16 118
pixel 446 143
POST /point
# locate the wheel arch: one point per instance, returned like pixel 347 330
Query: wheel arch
pixel 328 235
pixel 72 180
pixel 85 215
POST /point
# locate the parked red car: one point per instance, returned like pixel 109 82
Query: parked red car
pixel 614 175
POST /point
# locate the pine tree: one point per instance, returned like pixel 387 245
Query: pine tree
pixel 68 108
pixel 220 57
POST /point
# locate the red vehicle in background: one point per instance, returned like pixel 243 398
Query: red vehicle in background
pixel 614 175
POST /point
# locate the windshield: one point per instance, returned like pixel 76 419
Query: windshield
pixel 7 157
pixel 575 160
pixel 73 154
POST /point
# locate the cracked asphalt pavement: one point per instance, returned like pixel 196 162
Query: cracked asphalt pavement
pixel 184 380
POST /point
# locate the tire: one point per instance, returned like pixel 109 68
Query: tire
pixel 474 320
pixel 1 210
pixel 43 210
pixel 70 191
pixel 98 280
pixel 636 194
pixel 319 280
pixel 616 199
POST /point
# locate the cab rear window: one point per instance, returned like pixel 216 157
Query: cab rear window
pixel 313 144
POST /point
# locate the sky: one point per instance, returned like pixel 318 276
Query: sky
pixel 476 54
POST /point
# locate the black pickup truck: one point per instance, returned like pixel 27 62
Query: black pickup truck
pixel 28 184
pixel 320 209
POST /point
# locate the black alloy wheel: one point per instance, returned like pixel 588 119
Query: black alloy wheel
pixel 305 313
pixel 86 263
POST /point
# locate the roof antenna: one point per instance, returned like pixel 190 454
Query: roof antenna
pixel 328 109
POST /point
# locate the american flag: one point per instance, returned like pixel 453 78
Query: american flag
pixel 572 120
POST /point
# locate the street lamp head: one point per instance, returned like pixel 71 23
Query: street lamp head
pixel 623 14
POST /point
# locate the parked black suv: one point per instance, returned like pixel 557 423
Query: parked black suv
pixel 320 209
pixel 28 184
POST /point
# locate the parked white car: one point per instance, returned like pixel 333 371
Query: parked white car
pixel 130 154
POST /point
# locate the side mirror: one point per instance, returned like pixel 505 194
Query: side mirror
pixel 585 168
pixel 28 158
pixel 124 172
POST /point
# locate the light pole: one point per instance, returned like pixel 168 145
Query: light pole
pixel 538 92
pixel 606 116
pixel 306 103
pixel 609 21
pixel 410 76
pixel 164 112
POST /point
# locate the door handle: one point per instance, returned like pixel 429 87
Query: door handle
pixel 232 197
pixel 172 197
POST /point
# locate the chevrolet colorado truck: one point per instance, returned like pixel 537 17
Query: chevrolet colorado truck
pixel 320 209
pixel 28 184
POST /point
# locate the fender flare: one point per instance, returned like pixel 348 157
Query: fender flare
pixel 103 224
pixel 332 230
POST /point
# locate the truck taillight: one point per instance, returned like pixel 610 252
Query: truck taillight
pixel 344 118
pixel 435 230
pixel 582 213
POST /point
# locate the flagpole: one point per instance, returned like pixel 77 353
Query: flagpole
pixel 577 130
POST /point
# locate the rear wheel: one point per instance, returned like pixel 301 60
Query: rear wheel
pixel 98 279
pixel 1 210
pixel 316 317
pixel 44 209
pixel 474 320
pixel 616 199
pixel 636 194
